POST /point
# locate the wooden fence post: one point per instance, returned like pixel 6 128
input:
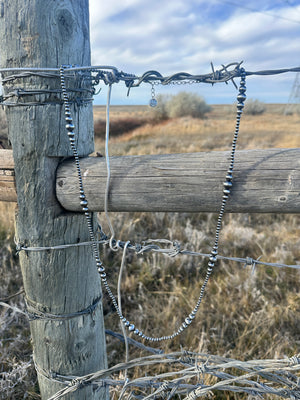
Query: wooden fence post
pixel 48 33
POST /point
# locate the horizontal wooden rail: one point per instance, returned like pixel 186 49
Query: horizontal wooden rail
pixel 264 181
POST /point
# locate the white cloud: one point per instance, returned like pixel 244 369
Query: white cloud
pixel 102 10
pixel 186 35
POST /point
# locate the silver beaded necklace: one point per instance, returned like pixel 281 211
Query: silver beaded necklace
pixel 241 97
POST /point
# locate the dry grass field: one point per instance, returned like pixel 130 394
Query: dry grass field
pixel 214 132
pixel 246 314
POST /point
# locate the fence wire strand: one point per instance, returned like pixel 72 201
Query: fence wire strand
pixel 165 247
pixel 110 75
pixel 194 375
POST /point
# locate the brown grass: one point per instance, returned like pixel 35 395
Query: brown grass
pixel 245 314
pixel 271 129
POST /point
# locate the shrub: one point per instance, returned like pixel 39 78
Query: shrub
pixel 180 105
pixel 254 107
pixel 291 108
pixel 187 104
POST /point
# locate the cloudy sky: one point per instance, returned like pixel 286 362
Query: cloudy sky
pixel 187 35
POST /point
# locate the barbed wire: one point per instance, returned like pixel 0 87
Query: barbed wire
pixel 191 377
pixel 189 374
pixel 111 74
pixel 93 75
pixel 155 245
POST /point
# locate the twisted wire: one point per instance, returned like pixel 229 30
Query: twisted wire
pixel 79 101
pixel 18 92
pixel 17 96
pixel 34 314
pixel 279 376
pixel 110 74
pixel 151 245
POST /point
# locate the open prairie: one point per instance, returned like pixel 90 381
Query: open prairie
pixel 187 134
pixel 246 313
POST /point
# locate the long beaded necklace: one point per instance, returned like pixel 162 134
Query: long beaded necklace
pixel 241 97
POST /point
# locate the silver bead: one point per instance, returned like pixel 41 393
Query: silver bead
pixel 131 328
pixel 227 184
pixel 241 97
pixel 70 127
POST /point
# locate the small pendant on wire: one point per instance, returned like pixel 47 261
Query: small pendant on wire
pixel 153 101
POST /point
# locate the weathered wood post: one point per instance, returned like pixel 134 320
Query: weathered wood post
pixel 46 34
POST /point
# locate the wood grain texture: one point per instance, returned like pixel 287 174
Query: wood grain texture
pixel 264 181
pixel 48 33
